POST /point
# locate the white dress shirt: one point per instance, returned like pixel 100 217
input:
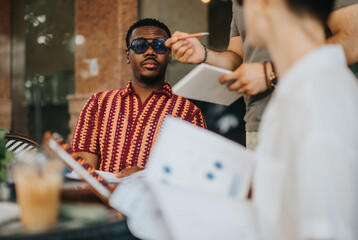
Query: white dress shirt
pixel 306 181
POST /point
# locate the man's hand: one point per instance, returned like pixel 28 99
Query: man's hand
pixel 188 50
pixel 128 171
pixel 249 78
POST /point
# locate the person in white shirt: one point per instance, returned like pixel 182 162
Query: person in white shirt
pixel 306 173
pixel 306 179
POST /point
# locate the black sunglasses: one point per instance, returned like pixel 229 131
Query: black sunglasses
pixel 141 45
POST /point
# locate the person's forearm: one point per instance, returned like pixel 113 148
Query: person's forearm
pixel 91 159
pixel 227 59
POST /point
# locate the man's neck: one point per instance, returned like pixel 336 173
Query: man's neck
pixel 304 36
pixel 143 90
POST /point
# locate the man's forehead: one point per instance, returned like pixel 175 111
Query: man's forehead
pixel 148 32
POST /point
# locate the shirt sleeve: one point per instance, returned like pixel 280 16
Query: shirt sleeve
pixel 234 30
pixel 343 3
pixel 85 136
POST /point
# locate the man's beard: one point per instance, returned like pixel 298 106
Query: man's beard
pixel 151 81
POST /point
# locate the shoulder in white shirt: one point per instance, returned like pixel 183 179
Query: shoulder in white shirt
pixel 306 183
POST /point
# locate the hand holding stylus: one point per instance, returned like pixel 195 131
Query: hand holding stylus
pixel 186 48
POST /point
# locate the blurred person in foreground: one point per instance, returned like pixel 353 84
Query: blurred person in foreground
pixel 247 61
pixel 306 177
pixel 116 129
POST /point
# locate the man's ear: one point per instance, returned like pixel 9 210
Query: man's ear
pixel 127 55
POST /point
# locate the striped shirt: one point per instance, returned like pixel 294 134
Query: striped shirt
pixel 121 131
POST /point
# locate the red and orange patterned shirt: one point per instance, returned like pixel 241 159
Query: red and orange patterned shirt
pixel 121 131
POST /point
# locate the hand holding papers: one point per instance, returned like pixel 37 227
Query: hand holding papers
pixel 192 189
pixel 136 200
pixel 202 84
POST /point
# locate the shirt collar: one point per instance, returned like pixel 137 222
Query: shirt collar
pixel 166 90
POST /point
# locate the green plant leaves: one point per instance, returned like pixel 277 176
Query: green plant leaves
pixel 5 156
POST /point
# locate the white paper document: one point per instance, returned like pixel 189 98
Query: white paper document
pixel 109 177
pixel 190 157
pixel 202 83
pixel 201 181
pixel 195 187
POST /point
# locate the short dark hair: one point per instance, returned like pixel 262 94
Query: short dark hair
pixel 320 9
pixel 146 22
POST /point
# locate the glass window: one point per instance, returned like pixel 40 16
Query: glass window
pixel 48 70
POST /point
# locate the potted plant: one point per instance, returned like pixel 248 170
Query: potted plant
pixel 5 157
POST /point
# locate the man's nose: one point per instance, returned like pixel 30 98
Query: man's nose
pixel 150 51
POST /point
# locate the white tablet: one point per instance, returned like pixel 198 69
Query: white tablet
pixel 202 84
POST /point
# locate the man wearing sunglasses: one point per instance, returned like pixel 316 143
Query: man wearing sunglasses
pixel 117 129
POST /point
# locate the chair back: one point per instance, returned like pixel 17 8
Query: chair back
pixel 17 143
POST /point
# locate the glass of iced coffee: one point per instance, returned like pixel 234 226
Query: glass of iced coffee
pixel 38 183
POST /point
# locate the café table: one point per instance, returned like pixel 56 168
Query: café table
pixel 76 199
